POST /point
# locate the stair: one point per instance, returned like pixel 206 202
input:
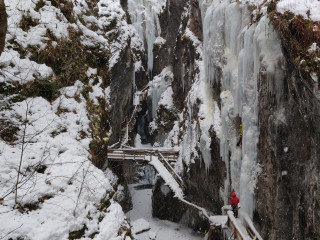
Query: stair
pixel 128 124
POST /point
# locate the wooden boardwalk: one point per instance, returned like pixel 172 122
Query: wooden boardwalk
pixel 241 228
pixel 232 228
pixel 165 156
pixel 142 154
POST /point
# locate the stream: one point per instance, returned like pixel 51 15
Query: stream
pixel 141 214
pixel 141 194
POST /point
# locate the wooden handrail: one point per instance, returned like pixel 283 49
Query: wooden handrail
pixel 240 231
pixel 129 123
pixel 171 170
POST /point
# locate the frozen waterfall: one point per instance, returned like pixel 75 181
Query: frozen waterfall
pixel 236 55
pixel 144 17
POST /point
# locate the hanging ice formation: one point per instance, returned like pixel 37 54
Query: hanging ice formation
pixel 144 17
pixel 236 54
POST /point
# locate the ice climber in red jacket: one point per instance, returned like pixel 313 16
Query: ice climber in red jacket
pixel 234 204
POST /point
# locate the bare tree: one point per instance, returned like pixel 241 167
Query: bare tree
pixel 26 139
pixel 25 122
pixel 85 172
pixel 3 25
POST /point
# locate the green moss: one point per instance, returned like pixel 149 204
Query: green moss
pixel 92 235
pixel 39 5
pixel 78 233
pixel 27 22
pixel 46 88
pixel 288 16
pixel 128 234
pixel 105 202
pixel 104 205
pixel 94 144
pixel 41 169
pixel 8 131
pixel 85 91
pixel 17 98
pixel 28 207
pixel 297 35
pixel 7 89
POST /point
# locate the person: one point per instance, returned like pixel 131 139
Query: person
pixel 234 204
pixel 239 144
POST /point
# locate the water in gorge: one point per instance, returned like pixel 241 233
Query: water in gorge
pixel 140 215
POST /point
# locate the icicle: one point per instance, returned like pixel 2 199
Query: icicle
pixel 144 17
pixel 241 54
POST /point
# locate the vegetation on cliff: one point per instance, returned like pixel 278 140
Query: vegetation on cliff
pixel 301 36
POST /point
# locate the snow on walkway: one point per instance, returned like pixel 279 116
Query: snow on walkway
pixel 167 177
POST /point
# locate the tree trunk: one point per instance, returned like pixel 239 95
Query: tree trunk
pixel 3 25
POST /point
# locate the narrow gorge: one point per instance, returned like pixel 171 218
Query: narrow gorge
pixel 231 86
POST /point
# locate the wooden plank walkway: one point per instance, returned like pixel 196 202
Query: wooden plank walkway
pixel 233 228
pixel 165 156
pixel 142 154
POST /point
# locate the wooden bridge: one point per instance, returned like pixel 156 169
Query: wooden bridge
pixel 232 228
pixel 163 159
pixel 167 157
pixel 142 154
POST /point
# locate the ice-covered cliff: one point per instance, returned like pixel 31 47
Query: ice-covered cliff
pixel 233 63
pixel 209 67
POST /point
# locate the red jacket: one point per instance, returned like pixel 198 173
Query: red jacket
pixel 234 199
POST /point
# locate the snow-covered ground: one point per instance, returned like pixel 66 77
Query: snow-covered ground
pixel 159 229
pixel 59 190
pixel 309 9
pixel 56 177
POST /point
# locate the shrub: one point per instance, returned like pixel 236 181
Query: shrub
pixel 39 5
pixel 27 22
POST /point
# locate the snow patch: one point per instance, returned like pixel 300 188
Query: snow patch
pixel 139 226
pixel 307 8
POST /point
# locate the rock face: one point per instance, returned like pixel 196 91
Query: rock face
pixel 204 184
pixel 164 205
pixel 169 22
pixel 185 54
pixel 121 92
pixel 287 195
pixel 182 38
pixel 252 80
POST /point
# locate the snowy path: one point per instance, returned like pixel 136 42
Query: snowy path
pixel 160 229
pixel 167 177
